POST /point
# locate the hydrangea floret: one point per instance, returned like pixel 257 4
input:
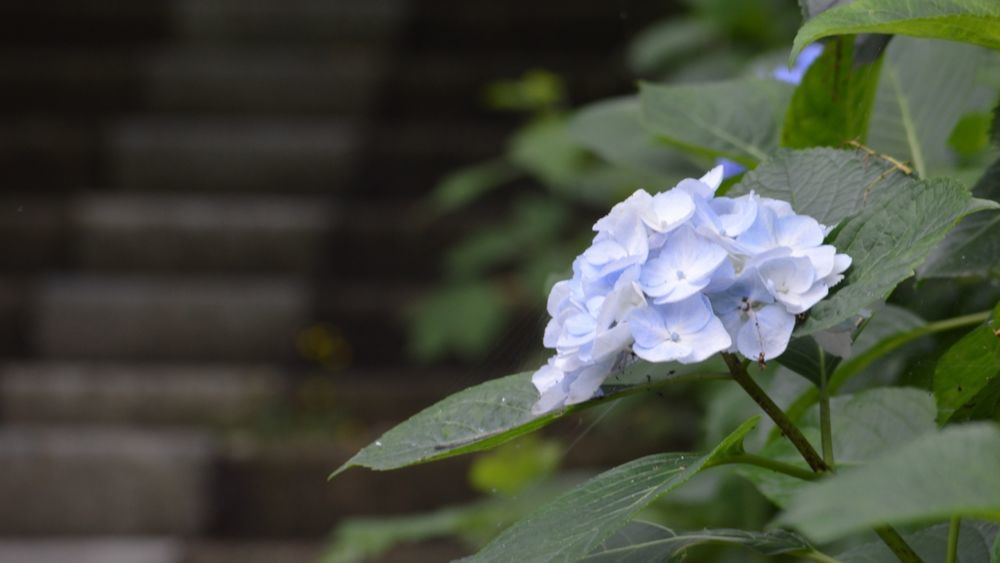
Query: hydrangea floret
pixel 679 276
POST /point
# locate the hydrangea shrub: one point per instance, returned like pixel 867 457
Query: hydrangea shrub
pixel 837 180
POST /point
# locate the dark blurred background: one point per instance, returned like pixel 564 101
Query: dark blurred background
pixel 215 244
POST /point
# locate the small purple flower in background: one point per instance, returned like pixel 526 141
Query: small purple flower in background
pixel 802 63
pixel 679 276
pixel 730 168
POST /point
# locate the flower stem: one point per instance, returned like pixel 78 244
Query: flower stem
pixel 768 463
pixel 953 530
pixel 853 366
pixel 825 427
pixel 814 555
pixel 739 372
pixel 898 545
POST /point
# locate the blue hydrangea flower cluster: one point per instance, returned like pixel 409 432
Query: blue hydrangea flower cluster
pixel 679 276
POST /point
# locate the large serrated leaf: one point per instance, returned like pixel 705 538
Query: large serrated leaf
pixel 971 21
pixel 948 473
pixel 735 119
pixel 967 376
pixel 833 103
pixel 611 128
pixel 578 522
pixel 865 426
pixel 972 249
pixel 826 184
pixel 886 240
pixel 931 544
pixel 641 542
pixel 924 89
pixel 492 413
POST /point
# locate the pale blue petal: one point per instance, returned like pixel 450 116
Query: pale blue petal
pixel 669 210
pixel 587 381
pixel 546 377
pixel 766 332
pixel 712 338
pixel 696 188
pixel 664 351
pixel 646 326
pixel 798 231
pixel 611 342
pixel 735 215
pixel 681 291
pixel 713 179
pixel 722 279
pixel 688 316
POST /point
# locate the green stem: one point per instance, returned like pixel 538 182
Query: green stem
pixel 768 463
pixel 825 426
pixel 898 545
pixel 853 366
pixel 739 372
pixel 953 529
pixel 814 555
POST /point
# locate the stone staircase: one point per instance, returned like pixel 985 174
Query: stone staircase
pixel 189 187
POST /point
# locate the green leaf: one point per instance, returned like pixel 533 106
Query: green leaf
pixel 667 42
pixel 886 240
pixel 489 414
pixel 970 21
pixel 826 184
pixel 360 539
pixel 640 542
pixel 611 128
pixel 833 103
pixel 464 186
pixel 972 249
pixel 545 149
pixel 515 465
pixel 735 119
pixel 578 522
pixel 864 426
pixel 947 473
pixel 812 8
pixel 969 372
pixel 463 319
pixel 536 90
pixel 924 89
pixel 971 135
pixel 805 357
pixel 930 543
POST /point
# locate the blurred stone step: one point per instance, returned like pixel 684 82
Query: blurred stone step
pixel 133 394
pixel 132 232
pixel 284 21
pixel 238 80
pixel 93 480
pixel 178 232
pixel 34 232
pixel 251 551
pixel 251 154
pixel 40 152
pixel 208 21
pixel 258 154
pixel 216 395
pixel 92 550
pixel 227 80
pixel 169 318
